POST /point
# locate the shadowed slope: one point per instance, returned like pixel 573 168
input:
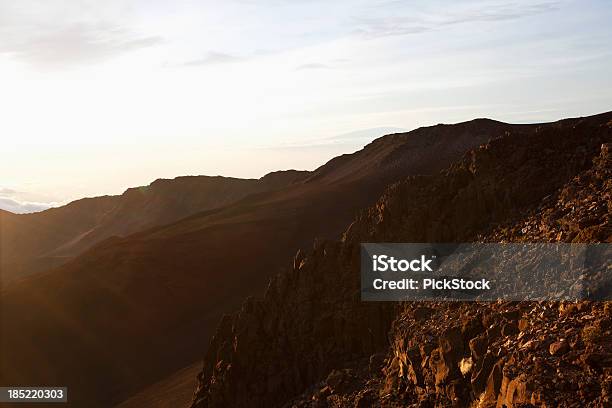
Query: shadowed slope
pixel 172 392
pixel 36 242
pixel 132 310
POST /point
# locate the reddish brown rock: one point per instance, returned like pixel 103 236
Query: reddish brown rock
pixel 558 348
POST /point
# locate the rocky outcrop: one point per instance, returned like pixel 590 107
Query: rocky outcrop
pixel 577 212
pixel 501 355
pixel 306 325
pixel 311 334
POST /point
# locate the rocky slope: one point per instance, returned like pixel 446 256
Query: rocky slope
pixel 160 292
pixel 36 242
pixel 311 342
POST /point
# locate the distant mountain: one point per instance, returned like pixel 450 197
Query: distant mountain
pixel 35 242
pixel 131 310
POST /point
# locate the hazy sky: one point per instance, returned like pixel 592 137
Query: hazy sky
pixel 97 96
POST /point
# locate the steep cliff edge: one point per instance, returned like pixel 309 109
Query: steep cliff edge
pixel 310 333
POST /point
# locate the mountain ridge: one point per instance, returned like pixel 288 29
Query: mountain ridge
pixel 310 333
pixel 170 284
pixel 43 240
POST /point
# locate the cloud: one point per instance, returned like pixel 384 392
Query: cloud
pixel 214 58
pixel 22 207
pixel 373 27
pixel 312 66
pixel 20 203
pixel 44 34
pixel 355 139
pixel 389 26
pixel 75 44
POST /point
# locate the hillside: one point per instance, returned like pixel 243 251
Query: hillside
pixel 311 342
pixel 132 310
pixel 36 242
pixel 172 392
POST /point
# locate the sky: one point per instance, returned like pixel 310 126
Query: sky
pixel 98 96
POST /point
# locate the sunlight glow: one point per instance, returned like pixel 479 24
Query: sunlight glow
pixel 100 96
